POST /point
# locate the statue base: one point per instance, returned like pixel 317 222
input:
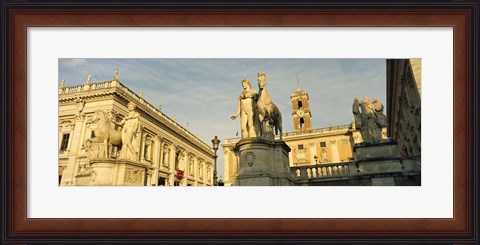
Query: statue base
pixel 379 161
pixel 263 163
pixel 112 172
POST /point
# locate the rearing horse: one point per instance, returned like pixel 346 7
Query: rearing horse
pixel 104 133
pixel 267 111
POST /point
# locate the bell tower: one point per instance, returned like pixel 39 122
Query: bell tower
pixel 301 110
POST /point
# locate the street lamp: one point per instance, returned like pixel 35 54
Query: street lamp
pixel 215 143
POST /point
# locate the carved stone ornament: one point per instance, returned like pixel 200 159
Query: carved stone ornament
pixel 133 176
pixel 250 158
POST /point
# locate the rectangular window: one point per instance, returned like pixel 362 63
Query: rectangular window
pixel 300 147
pixel 323 144
pixel 64 144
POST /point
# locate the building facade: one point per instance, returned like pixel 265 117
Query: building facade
pixel 169 153
pixel 404 93
pixel 330 149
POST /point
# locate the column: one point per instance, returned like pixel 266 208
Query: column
pixel 313 153
pixel 226 164
pixel 75 144
pixel 334 150
pixel 156 148
pixel 171 163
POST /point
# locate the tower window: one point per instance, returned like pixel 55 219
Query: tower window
pixel 64 144
pixel 302 122
pixel 300 105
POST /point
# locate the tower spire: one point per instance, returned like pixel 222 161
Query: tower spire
pixel 298 84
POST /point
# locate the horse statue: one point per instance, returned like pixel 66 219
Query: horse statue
pixel 104 133
pixel 268 113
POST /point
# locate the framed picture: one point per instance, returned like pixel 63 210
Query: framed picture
pixel 39 39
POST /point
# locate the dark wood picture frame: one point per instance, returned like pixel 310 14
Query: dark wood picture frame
pixel 17 16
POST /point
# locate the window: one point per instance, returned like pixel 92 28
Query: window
pixel 64 144
pixel 302 122
pixel 92 135
pixel 323 144
pixel 300 105
pixel 161 181
pixel 300 147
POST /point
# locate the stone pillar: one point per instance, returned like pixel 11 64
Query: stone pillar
pixel 226 164
pixel 263 163
pixel 156 148
pixel 75 144
pixel 379 161
pixel 334 150
pixel 195 170
pixel 313 153
pixel 171 163
pixel 290 158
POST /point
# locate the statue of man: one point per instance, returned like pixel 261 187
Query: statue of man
pixel 247 109
pixel 129 130
pixel 89 78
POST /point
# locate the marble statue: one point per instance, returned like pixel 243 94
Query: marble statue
pixel 129 131
pixel 247 110
pixel 104 134
pixel 268 113
pixel 89 78
pixel 116 75
pixel 370 119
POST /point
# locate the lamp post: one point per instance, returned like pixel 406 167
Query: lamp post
pixel 215 143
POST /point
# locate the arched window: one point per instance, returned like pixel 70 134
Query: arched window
pixel 300 105
pixel 302 122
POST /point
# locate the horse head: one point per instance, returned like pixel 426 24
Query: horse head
pixel 261 77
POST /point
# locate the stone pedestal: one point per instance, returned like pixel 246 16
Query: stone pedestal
pixel 379 162
pixel 111 172
pixel 263 163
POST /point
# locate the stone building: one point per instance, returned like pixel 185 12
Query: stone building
pixel 338 155
pixel 404 93
pixel 166 154
pixel 330 148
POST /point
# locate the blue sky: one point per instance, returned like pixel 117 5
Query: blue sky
pixel 203 92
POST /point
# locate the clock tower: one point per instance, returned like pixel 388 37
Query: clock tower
pixel 301 110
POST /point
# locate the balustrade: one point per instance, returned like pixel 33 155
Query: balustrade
pixel 322 170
